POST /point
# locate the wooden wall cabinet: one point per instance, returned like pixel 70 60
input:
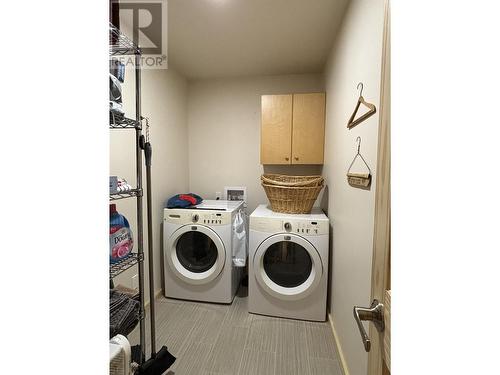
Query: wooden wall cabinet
pixel 292 129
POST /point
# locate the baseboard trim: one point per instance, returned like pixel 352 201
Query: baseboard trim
pixel 157 293
pixel 340 353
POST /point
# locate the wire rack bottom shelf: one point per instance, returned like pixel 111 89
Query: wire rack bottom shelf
pixel 124 264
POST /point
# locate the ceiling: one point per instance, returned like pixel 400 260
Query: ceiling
pixel 227 38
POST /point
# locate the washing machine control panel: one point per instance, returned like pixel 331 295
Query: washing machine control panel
pixel 297 226
pixel 213 218
pixel 210 218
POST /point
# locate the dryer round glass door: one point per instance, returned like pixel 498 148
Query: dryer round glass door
pixel 287 266
pixel 196 254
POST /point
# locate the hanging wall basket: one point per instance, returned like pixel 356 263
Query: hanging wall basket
pixel 359 180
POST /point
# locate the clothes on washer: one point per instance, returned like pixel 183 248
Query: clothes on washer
pixel 183 200
pixel 240 238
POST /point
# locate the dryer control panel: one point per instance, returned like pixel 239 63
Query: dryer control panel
pixel 209 218
pixel 290 225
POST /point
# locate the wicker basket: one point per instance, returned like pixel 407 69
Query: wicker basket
pixel 284 180
pixel 292 199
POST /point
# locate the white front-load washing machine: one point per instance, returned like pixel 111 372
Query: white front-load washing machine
pixel 197 248
pixel 288 264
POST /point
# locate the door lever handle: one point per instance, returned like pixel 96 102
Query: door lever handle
pixel 374 313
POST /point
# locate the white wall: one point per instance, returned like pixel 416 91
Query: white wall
pixel 355 57
pixel 224 132
pixel 164 101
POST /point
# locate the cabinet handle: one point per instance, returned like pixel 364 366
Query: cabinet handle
pixel 287 159
pixel 296 158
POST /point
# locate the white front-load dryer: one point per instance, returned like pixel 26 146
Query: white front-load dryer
pixel 197 250
pixel 288 264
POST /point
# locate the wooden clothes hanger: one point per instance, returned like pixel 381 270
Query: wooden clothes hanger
pixel 352 123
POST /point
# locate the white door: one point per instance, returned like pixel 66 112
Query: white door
pixel 196 254
pixel 287 266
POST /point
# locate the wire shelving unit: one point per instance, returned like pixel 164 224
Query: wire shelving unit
pixel 122 122
pixel 120 45
pixel 124 264
pixel 125 194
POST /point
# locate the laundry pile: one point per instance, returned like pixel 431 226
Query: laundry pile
pixel 123 313
pixel 183 200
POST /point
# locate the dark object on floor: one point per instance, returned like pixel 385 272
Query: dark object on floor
pixel 184 200
pixel 156 365
pixel 244 281
pixel 137 354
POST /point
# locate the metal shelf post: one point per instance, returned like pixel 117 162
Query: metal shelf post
pixel 140 238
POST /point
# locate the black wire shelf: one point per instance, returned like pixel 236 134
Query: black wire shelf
pixel 124 264
pixel 120 44
pixel 126 194
pixel 117 121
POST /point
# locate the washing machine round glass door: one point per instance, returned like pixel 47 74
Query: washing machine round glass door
pixel 287 266
pixel 196 254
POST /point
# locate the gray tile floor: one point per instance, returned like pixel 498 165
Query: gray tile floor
pixel 226 339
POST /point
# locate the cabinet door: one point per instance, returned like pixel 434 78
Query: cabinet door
pixel 308 134
pixel 276 129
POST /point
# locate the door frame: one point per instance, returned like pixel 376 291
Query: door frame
pixel 382 228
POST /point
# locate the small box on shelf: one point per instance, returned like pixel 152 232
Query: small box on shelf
pixel 113 184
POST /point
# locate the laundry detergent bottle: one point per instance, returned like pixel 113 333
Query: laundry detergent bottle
pixel 120 235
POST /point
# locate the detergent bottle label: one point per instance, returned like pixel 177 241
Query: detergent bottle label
pixel 120 242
